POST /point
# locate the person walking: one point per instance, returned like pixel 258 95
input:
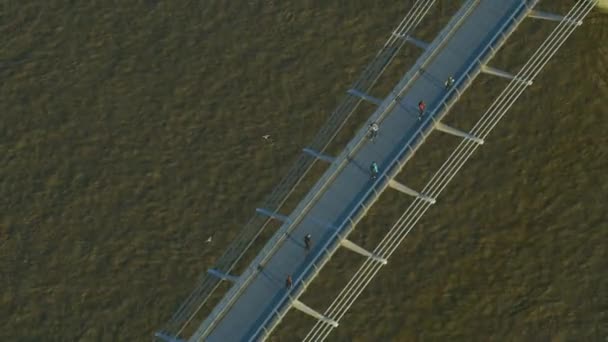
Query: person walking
pixel 421 109
pixel 373 131
pixel 288 282
pixel 374 170
pixel 449 82
pixel 307 242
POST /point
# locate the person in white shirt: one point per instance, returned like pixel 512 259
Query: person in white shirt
pixel 373 131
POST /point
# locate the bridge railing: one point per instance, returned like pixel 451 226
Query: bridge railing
pixel 274 201
pixel 447 171
pixel 356 143
pixel 333 171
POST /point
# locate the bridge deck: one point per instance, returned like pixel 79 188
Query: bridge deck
pixel 252 306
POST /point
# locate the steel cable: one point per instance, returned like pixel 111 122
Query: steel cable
pixel 449 169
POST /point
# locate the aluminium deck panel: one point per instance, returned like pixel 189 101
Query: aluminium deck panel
pixel 262 295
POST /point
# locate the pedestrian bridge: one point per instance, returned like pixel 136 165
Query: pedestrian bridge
pixel 260 296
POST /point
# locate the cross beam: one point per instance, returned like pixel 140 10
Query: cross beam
pixel 552 17
pixel 404 189
pixel 417 42
pixel 222 275
pixel 311 312
pixel 501 73
pixel 365 97
pixel 271 214
pixel 453 131
pixel 321 156
pixel 360 250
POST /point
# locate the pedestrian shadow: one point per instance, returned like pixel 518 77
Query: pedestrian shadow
pixel 357 164
pixel 268 275
pixel 433 79
pixel 297 242
pixel 408 109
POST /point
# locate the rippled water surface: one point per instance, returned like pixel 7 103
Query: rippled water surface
pixel 131 132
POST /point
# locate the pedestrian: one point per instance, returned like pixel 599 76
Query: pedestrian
pixel 288 282
pixel 373 131
pixel 373 170
pixel 307 242
pixel 449 82
pixel 421 109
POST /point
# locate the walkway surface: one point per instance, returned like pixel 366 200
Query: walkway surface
pixel 258 300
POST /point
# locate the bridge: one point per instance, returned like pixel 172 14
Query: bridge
pixel 272 284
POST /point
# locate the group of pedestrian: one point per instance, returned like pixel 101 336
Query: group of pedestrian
pixel 307 246
pixel 449 82
pixel 374 171
pixel 373 127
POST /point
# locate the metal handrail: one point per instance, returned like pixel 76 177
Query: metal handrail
pixel 276 239
pixel 443 102
pixel 400 225
pixel 300 168
pixel 383 109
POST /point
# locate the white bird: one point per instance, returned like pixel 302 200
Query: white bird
pixel 266 137
pixel 209 239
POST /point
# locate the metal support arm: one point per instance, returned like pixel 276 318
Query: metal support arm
pixel 307 310
pixel 552 17
pixel 453 131
pixel 365 97
pixel 360 250
pixel 271 214
pixel 417 42
pixel 222 275
pixel 501 73
pixel 404 189
pixel 318 155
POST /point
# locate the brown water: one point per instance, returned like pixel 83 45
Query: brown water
pixel 131 132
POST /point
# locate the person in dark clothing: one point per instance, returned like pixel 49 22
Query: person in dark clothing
pixel 307 242
pixel 288 282
pixel 449 82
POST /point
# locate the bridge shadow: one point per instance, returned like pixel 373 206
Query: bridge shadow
pixel 434 80
pixel 291 238
pixel 357 164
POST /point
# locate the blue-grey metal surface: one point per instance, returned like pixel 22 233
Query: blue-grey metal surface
pixel 459 156
pixel 275 200
pixel 344 193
